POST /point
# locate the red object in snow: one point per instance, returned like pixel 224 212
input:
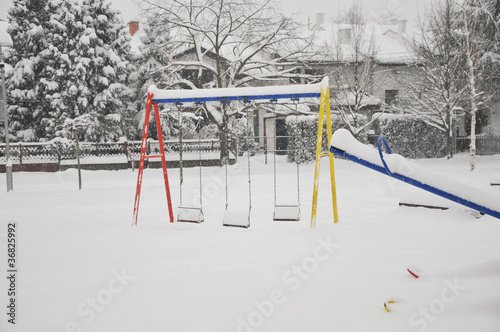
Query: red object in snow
pixel 412 273
pixel 144 157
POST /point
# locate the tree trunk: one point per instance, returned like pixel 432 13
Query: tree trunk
pixel 473 104
pixel 75 132
pixel 449 143
pixel 473 139
pixel 449 131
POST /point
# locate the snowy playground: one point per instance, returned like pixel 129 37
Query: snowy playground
pixel 82 267
pixel 79 265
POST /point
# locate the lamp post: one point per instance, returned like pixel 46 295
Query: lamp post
pixel 5 41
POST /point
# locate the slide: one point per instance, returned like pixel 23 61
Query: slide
pixel 344 145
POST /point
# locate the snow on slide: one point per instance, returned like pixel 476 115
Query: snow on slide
pixel 346 146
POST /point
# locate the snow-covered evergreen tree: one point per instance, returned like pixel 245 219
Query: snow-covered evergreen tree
pixel 28 23
pixel 151 61
pixel 102 56
pixel 70 58
pixel 60 77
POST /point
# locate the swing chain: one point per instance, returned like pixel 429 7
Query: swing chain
pixel 250 142
pixel 296 141
pixel 181 175
pixel 199 104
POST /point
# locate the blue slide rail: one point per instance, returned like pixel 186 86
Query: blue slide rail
pixel 385 170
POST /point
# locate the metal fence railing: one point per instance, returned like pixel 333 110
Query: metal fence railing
pixel 484 145
pixel 55 152
pixel 44 152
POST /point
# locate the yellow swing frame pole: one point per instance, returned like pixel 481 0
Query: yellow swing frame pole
pixel 324 107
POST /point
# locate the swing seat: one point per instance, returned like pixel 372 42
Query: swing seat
pixel 236 218
pixel 286 213
pixel 190 214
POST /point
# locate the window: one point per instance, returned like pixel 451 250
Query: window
pixel 391 97
pixel 481 121
pixel 295 77
pixel 314 72
pixel 192 76
pixel 317 73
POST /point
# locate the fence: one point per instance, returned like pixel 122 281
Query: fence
pixel 49 152
pixel 55 152
pixel 484 145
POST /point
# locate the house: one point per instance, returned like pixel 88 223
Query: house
pixel 383 51
pixel 365 63
pixel 378 56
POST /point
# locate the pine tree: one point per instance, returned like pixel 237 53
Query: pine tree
pixel 70 59
pixel 61 78
pixel 27 28
pixel 150 62
pixel 103 57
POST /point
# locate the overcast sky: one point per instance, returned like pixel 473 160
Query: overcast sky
pixel 405 8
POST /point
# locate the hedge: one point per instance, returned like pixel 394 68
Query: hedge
pixel 407 136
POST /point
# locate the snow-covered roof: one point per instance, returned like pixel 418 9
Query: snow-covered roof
pixel 388 43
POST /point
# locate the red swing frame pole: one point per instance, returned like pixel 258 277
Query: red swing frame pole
pixel 143 157
pixel 163 162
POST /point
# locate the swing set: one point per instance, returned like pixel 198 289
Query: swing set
pixel 188 213
pixel 235 218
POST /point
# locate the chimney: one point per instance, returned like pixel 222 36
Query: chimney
pixel 320 19
pixel 401 27
pixel 344 36
pixel 133 26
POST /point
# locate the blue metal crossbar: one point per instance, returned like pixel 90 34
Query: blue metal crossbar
pixel 293 96
pixel 413 182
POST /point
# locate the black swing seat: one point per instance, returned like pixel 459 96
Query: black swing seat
pixel 190 214
pixel 283 212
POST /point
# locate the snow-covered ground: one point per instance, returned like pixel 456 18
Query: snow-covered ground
pixel 82 267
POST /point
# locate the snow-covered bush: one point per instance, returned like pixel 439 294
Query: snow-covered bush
pixel 412 138
pixel 302 144
pixel 305 128
pixel 63 147
pixel 209 131
pixel 239 130
pixel 406 135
